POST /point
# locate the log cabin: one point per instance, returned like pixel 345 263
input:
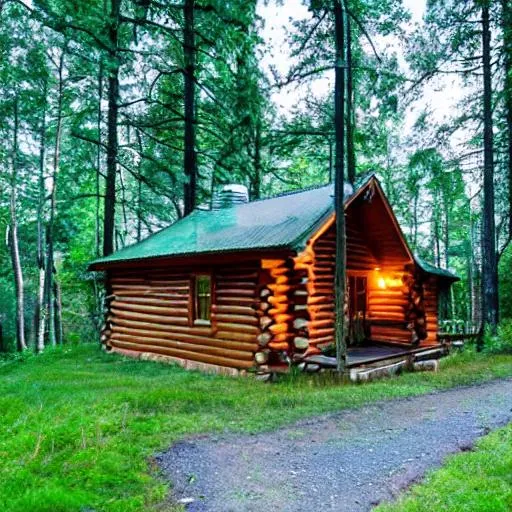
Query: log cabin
pixel 249 286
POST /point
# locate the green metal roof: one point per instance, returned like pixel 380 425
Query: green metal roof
pixel 282 222
pixel 432 269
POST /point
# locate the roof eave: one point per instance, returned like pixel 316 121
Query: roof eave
pixel 262 252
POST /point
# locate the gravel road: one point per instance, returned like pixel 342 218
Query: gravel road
pixel 348 461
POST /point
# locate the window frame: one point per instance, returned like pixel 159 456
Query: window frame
pixel 194 301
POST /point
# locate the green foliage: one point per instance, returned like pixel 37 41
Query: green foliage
pixel 82 425
pixel 241 135
pixel 501 342
pixel 505 281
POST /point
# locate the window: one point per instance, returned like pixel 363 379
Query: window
pixel 202 299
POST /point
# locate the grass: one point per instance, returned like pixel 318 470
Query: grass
pixel 78 427
pixel 477 481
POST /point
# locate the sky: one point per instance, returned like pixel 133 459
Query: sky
pixel 440 97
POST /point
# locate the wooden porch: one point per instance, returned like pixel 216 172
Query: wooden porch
pixel 378 359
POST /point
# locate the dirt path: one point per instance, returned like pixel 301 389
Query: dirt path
pixel 348 461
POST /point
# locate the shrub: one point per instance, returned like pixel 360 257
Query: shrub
pixel 502 342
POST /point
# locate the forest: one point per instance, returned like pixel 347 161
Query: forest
pixel 121 116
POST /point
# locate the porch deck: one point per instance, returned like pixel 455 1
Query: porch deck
pixel 373 353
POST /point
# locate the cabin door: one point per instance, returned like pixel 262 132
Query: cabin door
pixel 357 301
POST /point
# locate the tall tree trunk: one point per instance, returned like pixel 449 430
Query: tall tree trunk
pixel 139 210
pixel 351 156
pixel 139 189
pixel 437 238
pixel 476 291
pixel 329 142
pixel 97 220
pixel 50 276
pixel 190 156
pixel 469 263
pixel 13 240
pixel 124 231
pixel 339 207
pixel 446 235
pixel 98 161
pixel 112 141
pixel 489 256
pixel 256 182
pixel 40 316
pixel 59 329
pixel 507 51
pixel 415 220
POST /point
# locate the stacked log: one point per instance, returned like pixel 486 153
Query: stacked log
pixel 275 316
pixel 387 307
pixel 150 311
pixel 415 313
pixel 321 292
pixel 430 298
pixel 317 262
pixel 359 255
pixel 299 310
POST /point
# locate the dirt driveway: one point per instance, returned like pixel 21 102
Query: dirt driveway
pixel 349 461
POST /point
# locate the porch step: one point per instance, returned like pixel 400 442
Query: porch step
pixel 378 372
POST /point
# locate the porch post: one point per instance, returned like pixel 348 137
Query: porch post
pixel 339 122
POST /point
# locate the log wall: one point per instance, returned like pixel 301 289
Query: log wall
pixel 150 311
pixel 395 310
pixel 387 308
pixel 276 291
pixel 266 312
pixel 430 294
pixel 313 301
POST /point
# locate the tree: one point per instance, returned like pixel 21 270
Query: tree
pixel 451 44
pixel 339 203
pixel 112 122
pixel 506 27
pixel 189 160
pixel 13 240
pixel 489 255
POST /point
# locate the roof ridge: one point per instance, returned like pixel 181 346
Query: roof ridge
pixel 291 193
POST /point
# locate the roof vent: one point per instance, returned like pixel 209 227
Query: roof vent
pixel 230 195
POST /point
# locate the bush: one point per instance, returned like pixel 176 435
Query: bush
pixel 505 283
pixel 502 342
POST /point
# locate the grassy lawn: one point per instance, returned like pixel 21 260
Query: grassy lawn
pixel 78 427
pixel 477 481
